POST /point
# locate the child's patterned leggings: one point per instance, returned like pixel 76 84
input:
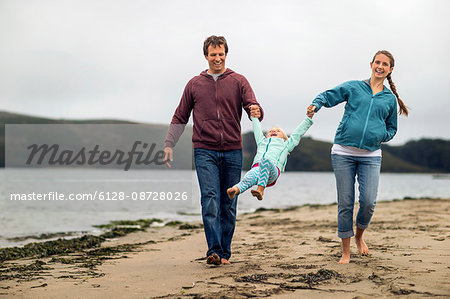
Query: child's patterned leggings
pixel 262 175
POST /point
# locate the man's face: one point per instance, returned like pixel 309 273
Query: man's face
pixel 216 59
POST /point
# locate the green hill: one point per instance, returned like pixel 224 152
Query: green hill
pixel 425 155
pixel 314 155
pixel 14 118
pixel 433 154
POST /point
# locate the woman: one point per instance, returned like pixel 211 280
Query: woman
pixel 370 118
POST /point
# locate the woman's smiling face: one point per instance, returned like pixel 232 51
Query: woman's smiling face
pixel 381 66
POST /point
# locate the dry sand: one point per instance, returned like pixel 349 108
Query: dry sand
pixel 280 254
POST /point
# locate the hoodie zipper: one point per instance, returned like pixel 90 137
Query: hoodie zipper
pixel 218 113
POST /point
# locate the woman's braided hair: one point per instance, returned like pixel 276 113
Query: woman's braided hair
pixel 403 108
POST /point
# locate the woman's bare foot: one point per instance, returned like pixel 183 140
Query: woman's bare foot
pixel 345 258
pixel 232 192
pixel 362 247
pixel 225 262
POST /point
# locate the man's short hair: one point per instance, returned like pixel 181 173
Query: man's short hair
pixel 215 41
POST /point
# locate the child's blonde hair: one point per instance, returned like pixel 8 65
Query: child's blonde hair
pixel 283 133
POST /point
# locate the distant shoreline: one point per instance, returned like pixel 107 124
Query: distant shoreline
pixel 120 228
pixel 115 225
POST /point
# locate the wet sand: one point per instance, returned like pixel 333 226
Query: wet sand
pixel 289 253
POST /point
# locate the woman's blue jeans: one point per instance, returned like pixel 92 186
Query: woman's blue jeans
pixel 367 171
pixel 217 171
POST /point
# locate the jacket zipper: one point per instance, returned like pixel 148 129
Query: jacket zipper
pixel 367 121
pixel 267 148
pixel 279 156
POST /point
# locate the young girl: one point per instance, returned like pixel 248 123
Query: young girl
pixel 370 118
pixel 271 157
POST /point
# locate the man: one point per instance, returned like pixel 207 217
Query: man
pixel 216 97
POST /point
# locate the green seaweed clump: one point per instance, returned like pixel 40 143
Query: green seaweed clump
pixel 312 279
pixel 190 226
pixel 48 248
pixel 142 223
pixel 26 272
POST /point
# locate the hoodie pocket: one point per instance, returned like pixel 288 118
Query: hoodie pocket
pixel 207 131
pixel 231 130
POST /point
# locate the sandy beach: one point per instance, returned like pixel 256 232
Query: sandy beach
pixel 290 253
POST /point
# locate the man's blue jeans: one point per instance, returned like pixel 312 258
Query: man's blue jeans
pixel 367 171
pixel 217 171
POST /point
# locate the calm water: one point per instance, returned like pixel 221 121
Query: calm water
pixel 20 218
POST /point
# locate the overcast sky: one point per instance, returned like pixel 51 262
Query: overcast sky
pixel 130 59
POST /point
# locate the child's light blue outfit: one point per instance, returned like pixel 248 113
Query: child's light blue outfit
pixel 271 155
pixel 265 173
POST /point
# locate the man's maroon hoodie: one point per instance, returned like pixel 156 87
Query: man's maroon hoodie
pixel 217 111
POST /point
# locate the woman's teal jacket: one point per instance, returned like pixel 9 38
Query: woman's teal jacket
pixel 368 119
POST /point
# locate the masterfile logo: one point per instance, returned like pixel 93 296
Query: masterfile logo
pixel 141 153
pixel 92 146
